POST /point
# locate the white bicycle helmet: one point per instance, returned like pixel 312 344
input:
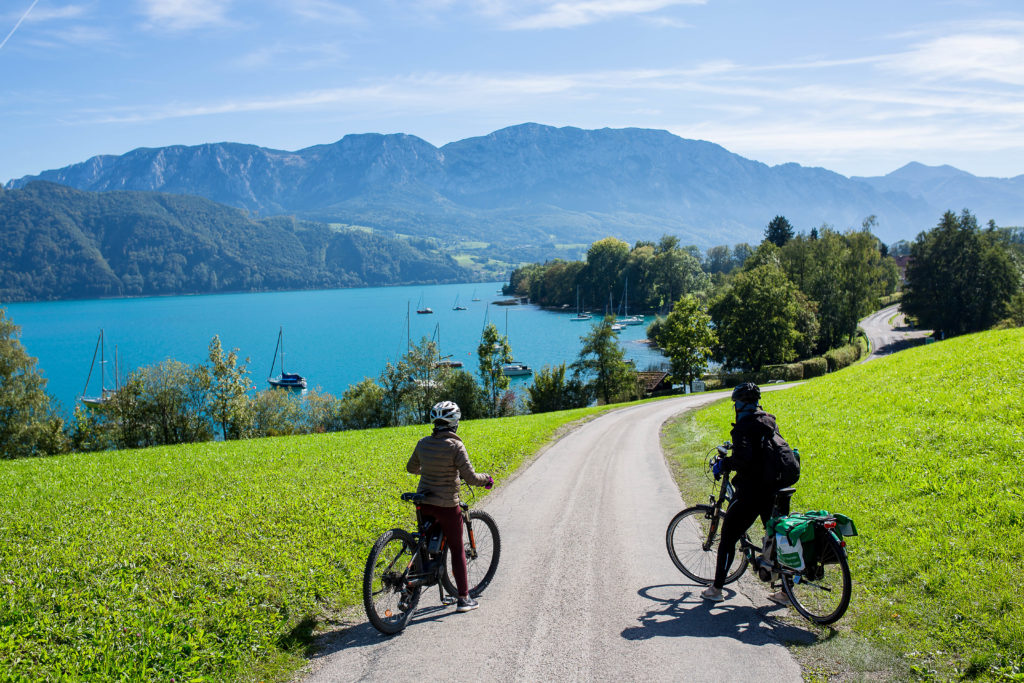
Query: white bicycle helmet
pixel 445 413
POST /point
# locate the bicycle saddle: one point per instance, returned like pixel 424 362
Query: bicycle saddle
pixel 413 497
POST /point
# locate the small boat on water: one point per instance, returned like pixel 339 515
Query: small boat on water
pixel 105 394
pixel 475 297
pixel 421 309
pixel 456 306
pixel 628 319
pixel 580 314
pixel 516 370
pixel 286 380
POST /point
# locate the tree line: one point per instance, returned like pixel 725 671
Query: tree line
pixel 793 296
pixel 173 402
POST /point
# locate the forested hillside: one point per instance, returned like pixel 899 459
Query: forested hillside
pixel 61 243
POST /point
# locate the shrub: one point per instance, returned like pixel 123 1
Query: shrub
pixel 814 367
pixel 842 357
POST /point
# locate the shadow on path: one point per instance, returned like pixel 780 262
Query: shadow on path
pixel 679 611
pixel 347 637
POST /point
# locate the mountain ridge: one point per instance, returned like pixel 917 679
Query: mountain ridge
pixel 533 183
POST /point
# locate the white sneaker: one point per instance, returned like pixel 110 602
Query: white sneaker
pixel 713 594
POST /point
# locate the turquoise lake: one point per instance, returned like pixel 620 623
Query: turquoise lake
pixel 333 337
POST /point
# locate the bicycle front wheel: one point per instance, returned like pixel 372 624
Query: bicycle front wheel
pixel 482 545
pixel 692 540
pixel 821 593
pixel 388 601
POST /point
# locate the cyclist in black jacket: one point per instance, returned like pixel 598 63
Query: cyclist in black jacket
pixel 754 481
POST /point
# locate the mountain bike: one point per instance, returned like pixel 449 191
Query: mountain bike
pixel 403 563
pixel 820 592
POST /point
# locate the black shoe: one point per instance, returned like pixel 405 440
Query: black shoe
pixel 467 605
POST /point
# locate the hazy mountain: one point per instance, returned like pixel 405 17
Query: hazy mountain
pixel 533 184
pixel 945 187
pixel 60 243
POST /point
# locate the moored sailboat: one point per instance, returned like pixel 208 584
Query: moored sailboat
pixel 286 380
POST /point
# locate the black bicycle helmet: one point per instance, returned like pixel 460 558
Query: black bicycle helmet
pixel 748 392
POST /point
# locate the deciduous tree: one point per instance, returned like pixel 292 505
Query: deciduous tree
pixel 28 425
pixel 687 338
pixel 603 361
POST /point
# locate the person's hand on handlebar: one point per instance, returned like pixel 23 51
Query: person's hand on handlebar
pixel 718 468
pixel 490 483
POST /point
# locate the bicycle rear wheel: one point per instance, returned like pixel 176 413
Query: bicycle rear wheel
pixel 686 537
pixel 481 560
pixel 389 603
pixel 822 592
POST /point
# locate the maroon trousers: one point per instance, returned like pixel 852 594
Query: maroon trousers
pixel 450 520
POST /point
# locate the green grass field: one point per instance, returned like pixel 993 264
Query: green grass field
pixel 211 561
pixel 925 450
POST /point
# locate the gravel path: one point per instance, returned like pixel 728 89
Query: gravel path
pixel 585 590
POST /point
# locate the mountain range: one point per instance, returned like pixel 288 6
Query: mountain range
pixel 532 184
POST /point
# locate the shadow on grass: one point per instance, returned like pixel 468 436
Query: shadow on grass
pixel 679 611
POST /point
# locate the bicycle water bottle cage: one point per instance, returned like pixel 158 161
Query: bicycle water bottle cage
pixel 413 497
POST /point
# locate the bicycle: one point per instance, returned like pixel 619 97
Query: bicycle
pixel 820 592
pixel 402 563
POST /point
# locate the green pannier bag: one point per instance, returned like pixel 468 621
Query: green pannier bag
pixel 796 535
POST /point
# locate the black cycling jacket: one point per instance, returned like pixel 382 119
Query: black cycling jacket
pixel 754 472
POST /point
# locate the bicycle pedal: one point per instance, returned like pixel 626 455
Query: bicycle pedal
pixel 448 600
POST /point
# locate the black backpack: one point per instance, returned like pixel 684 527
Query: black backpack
pixel 785 461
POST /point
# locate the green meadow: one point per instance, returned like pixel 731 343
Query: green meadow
pixel 925 451
pixel 212 561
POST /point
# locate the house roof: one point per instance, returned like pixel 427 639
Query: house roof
pixel 651 379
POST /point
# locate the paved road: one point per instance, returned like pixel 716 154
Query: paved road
pixel 585 590
pixel 886 338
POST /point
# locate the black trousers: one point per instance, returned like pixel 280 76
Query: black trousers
pixel 742 511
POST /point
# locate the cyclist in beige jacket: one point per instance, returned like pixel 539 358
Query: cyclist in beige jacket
pixel 441 460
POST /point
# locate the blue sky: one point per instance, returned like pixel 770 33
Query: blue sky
pixel 857 87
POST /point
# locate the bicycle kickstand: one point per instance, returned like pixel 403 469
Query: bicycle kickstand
pixel 445 599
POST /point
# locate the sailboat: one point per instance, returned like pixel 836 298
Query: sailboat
pixel 580 315
pixel 514 368
pixel 286 380
pixel 475 297
pixel 444 361
pixel 106 393
pixel 456 306
pixel 421 309
pixel 628 319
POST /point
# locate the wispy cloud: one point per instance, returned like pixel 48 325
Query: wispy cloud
pixel 569 13
pixel 182 15
pixel 292 57
pixel 17 24
pixel 327 11
pixel 55 13
pixel 965 57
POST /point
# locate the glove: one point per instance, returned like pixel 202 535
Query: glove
pixel 490 482
pixel 717 468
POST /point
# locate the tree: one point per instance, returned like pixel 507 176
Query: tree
pixel 460 387
pixel 604 360
pixel 687 339
pixel 229 404
pixel 493 353
pixel 551 391
pixel 756 318
pixel 28 425
pixel 362 406
pixel 959 279
pixel 276 413
pixel 779 231
pixel 163 404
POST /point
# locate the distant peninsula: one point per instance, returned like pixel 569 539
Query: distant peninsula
pixel 62 243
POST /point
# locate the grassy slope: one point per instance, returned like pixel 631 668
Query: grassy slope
pixel 925 450
pixel 209 560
